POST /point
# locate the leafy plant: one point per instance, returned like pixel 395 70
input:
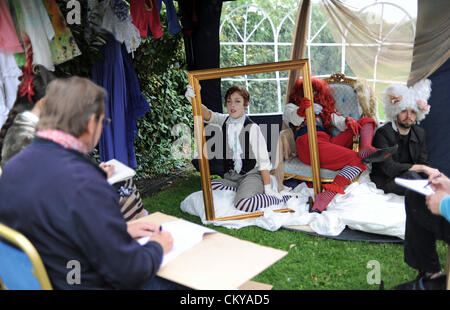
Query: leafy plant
pixel 159 66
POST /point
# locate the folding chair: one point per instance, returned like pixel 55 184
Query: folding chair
pixel 21 267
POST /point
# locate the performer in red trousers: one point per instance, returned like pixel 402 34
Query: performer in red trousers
pixel 335 153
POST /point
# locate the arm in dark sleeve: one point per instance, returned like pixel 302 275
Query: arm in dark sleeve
pixel 423 154
pixel 389 167
pixel 103 238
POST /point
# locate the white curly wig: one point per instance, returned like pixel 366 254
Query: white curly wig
pixel 397 98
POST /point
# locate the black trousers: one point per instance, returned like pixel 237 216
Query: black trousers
pixel 422 230
pixel 391 187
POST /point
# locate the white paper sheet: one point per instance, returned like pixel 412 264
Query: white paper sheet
pixel 419 186
pixel 185 236
pixel 121 171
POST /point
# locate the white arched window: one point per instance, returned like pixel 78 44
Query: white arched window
pixel 248 36
pixel 258 31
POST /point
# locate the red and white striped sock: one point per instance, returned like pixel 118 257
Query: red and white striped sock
pixel 366 148
pixel 345 177
pixel 322 200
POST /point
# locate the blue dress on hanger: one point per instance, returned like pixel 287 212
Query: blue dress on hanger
pixel 125 103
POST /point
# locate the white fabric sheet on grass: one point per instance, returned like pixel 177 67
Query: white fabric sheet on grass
pixel 363 207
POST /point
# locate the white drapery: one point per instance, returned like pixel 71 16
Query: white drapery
pixel 376 48
pixel 432 42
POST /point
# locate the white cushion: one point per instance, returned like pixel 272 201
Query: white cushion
pixel 297 167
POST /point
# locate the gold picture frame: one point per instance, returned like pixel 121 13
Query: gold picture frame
pixel 194 77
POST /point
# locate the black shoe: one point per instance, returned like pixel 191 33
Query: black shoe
pixel 380 155
pixel 409 285
pixel 437 283
pixel 314 211
pixel 310 206
pixel 424 282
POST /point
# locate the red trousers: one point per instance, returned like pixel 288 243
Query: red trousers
pixel 334 153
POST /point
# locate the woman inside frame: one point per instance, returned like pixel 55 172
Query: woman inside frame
pixel 245 157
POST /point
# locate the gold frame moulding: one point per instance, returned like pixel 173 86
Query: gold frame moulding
pixel 194 80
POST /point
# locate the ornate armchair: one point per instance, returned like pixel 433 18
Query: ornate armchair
pixel 353 97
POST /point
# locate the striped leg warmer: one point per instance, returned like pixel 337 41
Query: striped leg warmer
pixel 259 201
pixel 345 177
pixel 219 185
pixel 366 148
pixel 368 153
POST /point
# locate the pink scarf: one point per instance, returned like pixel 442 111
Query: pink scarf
pixel 64 139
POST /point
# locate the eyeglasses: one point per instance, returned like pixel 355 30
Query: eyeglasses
pixel 106 122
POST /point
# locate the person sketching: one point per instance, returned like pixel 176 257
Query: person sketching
pixel 60 200
pixel 19 130
pixel 439 202
pixel 427 220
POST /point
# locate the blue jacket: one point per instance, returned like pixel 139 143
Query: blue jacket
pixel 63 204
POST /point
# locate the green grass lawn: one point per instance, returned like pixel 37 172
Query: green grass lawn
pixel 312 262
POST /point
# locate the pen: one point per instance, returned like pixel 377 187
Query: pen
pixel 429 182
pixel 156 232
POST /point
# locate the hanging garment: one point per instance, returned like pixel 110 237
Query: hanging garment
pixel 171 15
pixel 114 17
pixel 93 18
pixel 63 46
pixel 120 9
pixel 125 103
pixel 15 8
pixel 120 25
pixel 201 22
pixel 39 28
pixel 145 16
pixel 16 14
pixel 8 37
pixel 9 80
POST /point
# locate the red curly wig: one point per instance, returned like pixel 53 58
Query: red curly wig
pixel 322 95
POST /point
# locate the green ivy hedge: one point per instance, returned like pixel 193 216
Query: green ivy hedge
pixel 159 65
pixel 160 68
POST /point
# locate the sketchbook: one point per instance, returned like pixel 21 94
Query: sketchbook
pixel 419 186
pixel 185 236
pixel 218 262
pixel 121 171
